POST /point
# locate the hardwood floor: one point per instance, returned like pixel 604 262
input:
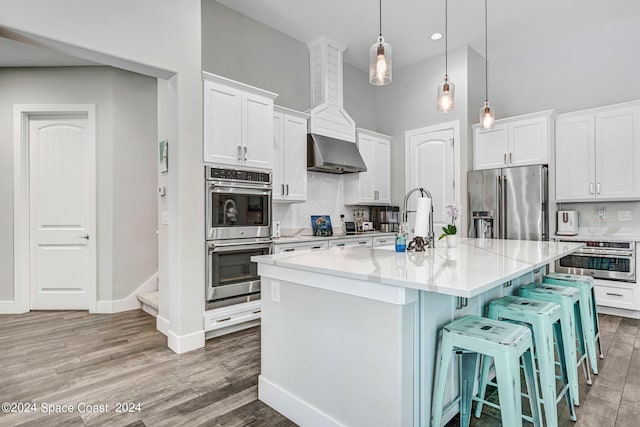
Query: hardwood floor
pixel 58 358
pixel 62 358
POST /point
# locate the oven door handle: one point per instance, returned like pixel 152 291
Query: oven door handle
pixel 221 247
pixel 239 189
pixel 605 254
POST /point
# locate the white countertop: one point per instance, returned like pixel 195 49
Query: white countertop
pixel 608 234
pixel 310 238
pixel 473 267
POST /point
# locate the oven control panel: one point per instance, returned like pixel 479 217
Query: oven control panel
pixel 609 245
pixel 237 175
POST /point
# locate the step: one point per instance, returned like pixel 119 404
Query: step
pixel 149 301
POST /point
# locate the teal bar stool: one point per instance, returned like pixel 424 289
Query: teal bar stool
pixel 472 336
pixel 588 310
pixel 567 298
pixel 543 318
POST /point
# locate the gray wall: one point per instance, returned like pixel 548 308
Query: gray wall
pixel 126 166
pixel 590 69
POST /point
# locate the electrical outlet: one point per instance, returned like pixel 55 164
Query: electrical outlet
pixel 624 215
pixel 600 213
pixel 275 291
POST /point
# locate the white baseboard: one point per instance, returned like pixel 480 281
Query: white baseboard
pixel 292 407
pixel 185 343
pixel 131 302
pixel 162 324
pixel 7 307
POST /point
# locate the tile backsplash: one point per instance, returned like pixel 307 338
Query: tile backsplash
pixel 325 196
pixel 587 216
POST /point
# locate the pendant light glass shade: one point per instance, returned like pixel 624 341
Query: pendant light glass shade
pixel 446 89
pixel 487 116
pixel 380 63
pixel 446 95
pixel 380 59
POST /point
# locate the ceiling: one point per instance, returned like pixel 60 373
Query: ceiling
pixel 408 24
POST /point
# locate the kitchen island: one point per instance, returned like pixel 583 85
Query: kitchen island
pixel 349 335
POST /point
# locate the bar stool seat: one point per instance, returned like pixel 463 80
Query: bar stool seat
pixel 588 310
pixel 544 319
pixel 568 298
pixel 507 343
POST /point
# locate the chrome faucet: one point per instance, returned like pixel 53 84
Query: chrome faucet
pixel 405 213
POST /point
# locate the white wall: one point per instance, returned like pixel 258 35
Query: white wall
pixel 163 38
pixel 126 135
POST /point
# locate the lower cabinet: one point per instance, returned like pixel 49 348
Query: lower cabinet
pixel 616 295
pixel 297 247
pixel 320 244
pixel 232 315
pixel 363 242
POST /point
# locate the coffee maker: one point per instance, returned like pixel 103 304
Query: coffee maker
pixel 386 218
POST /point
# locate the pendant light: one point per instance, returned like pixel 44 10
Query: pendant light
pixel 487 114
pixel 380 59
pixel 446 89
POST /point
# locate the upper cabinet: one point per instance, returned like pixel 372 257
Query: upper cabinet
pixel 238 123
pixel 289 155
pixel 516 141
pixel 598 154
pixel 372 187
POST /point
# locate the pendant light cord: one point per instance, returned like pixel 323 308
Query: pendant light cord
pixel 380 10
pixel 486 55
pixel 446 38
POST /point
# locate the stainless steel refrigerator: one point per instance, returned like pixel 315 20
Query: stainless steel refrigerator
pixel 509 203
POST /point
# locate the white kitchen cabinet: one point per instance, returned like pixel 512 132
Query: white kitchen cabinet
pixel 352 242
pixel 279 248
pixel 516 141
pixel 386 240
pixel 598 154
pixel 372 187
pixel 289 155
pixel 238 123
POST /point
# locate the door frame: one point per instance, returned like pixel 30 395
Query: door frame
pixel 22 114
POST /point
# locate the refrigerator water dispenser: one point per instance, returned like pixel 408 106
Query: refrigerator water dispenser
pixel 482 224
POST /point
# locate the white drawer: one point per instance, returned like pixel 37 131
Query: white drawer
pixel 363 242
pixel 231 315
pixel 296 247
pixel 610 296
pixel 384 240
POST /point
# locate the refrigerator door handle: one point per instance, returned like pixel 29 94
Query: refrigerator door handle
pixel 498 224
pixel 503 215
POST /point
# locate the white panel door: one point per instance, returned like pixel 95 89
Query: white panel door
pixel 295 158
pixel 257 131
pixel 490 147
pixel 62 254
pixel 618 154
pixel 279 163
pixel 382 167
pixel 575 162
pixel 528 142
pixel 431 165
pixel 223 124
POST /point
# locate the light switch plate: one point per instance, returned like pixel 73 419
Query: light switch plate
pixel 624 215
pixel 164 217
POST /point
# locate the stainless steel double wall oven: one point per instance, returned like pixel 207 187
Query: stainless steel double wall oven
pixel 238 226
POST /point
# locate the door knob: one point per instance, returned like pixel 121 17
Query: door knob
pixel 84 236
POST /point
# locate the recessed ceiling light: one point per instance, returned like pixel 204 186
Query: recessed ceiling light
pixel 436 36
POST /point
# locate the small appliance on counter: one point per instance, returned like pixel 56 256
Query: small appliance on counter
pixel 386 218
pixel 367 226
pixel 350 227
pixel 567 223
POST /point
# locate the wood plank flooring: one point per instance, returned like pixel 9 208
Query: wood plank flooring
pixel 59 358
pixel 62 358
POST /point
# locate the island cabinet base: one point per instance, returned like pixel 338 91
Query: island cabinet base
pixel 345 352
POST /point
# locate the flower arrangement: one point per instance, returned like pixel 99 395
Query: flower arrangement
pixel 453 211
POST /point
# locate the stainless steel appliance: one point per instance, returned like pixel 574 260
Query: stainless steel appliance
pixel 602 260
pixel 386 218
pixel 509 203
pixel 238 204
pixel 567 223
pixel 238 226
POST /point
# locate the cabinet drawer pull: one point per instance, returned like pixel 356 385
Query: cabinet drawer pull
pixel 256 311
pixel 245 153
pixel 591 188
pixel 339 244
pixel 287 186
pixel 223 320
pixel 282 192
pixel 289 250
pixel 316 247
pixel 239 153
pixel 510 157
pixel 505 158
pixel 382 241
pixel 598 188
pixel 362 243
pixel 614 295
